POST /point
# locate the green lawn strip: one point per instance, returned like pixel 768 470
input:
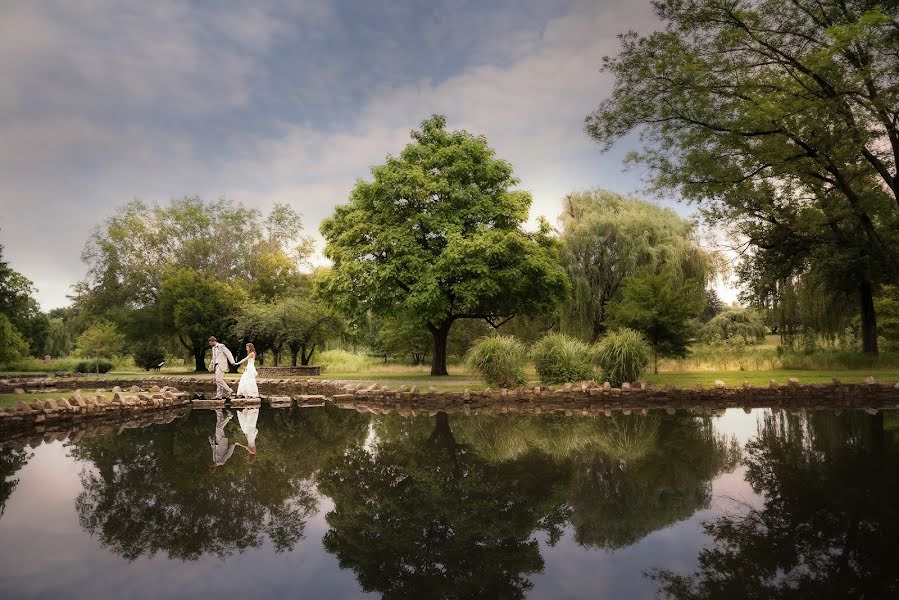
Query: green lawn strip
pixel 759 378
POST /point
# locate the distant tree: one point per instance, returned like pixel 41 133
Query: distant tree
pixel 745 324
pixel 59 339
pixel 662 308
pixel 606 238
pixel 12 345
pixel 404 337
pixel 18 305
pixel 437 234
pixel 196 306
pixel 258 323
pixel 303 325
pixel 100 340
pixel 780 120
pixel 713 306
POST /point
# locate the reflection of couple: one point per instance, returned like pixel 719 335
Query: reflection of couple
pixel 221 357
pixel 221 448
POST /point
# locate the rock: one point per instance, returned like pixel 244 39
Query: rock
pixel 836 381
pixel 719 385
pixel 607 387
pixel 793 381
pixel 697 387
pixel 118 398
pixel 100 391
pixel 869 380
pixel 747 409
pixel 747 385
pixel 871 411
pixel 773 384
pixel 116 389
pixel 625 387
pixel 18 391
pixel 22 407
pixel 134 388
pixel 50 405
pixel 670 410
pixel 153 389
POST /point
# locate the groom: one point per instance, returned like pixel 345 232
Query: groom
pixel 221 356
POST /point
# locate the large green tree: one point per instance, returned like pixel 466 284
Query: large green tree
pixel 195 306
pixel 304 324
pixel 782 120
pixel 662 308
pixel 607 238
pixel 437 234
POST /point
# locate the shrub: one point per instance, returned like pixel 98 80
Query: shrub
pixel 29 365
pixel 93 366
pixel 499 360
pixel 560 359
pixel 622 355
pixel 148 356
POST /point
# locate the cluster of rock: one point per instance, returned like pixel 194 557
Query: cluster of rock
pixel 91 404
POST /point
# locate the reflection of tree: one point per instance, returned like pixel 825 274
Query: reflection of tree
pixel 620 495
pixel 829 523
pixel 630 475
pixel 11 461
pixel 425 517
pixel 151 489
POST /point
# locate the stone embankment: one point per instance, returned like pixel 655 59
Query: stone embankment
pixel 585 398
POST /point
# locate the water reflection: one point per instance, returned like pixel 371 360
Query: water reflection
pixel 829 523
pixel 462 505
pixel 150 490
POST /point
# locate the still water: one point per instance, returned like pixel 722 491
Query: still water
pixel 340 504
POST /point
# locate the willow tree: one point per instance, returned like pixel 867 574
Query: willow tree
pixel 437 234
pixel 607 238
pixel 781 119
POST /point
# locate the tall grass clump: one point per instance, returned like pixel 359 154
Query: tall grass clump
pixel 560 359
pixel 623 355
pixel 499 360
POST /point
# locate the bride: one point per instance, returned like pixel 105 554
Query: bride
pixel 247 386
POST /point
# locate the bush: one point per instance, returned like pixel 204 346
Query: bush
pixel 735 323
pixel 148 356
pixel 560 359
pixel 92 366
pixel 499 360
pixel 37 365
pixel 622 355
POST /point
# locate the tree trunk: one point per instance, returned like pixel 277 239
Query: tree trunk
pixel 655 362
pixel 305 359
pixel 200 359
pixel 441 336
pixel 294 350
pixel 869 319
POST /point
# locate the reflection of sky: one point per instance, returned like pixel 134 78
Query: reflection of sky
pixel 47 553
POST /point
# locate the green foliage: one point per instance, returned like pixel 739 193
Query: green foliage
pixel 148 355
pixel 404 337
pixel 12 345
pixel 622 355
pixel 303 324
pixel 607 238
pixel 93 366
pixel 661 308
pixel 745 324
pixel 887 306
pixel 18 305
pixel 560 359
pixel 773 116
pixel 196 306
pixel 437 235
pixel 344 361
pixel 100 340
pixel 713 306
pixel 499 360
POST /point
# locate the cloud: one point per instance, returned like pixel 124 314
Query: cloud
pixel 275 101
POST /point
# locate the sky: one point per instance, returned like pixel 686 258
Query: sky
pixel 283 101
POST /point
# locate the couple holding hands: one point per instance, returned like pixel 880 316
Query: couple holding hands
pixel 221 358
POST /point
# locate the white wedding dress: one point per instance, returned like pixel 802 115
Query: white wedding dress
pixel 247 386
pixel 247 419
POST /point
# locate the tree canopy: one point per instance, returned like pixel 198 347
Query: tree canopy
pixel 781 119
pixel 607 238
pixel 437 235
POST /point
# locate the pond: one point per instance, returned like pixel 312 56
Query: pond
pixel 341 504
